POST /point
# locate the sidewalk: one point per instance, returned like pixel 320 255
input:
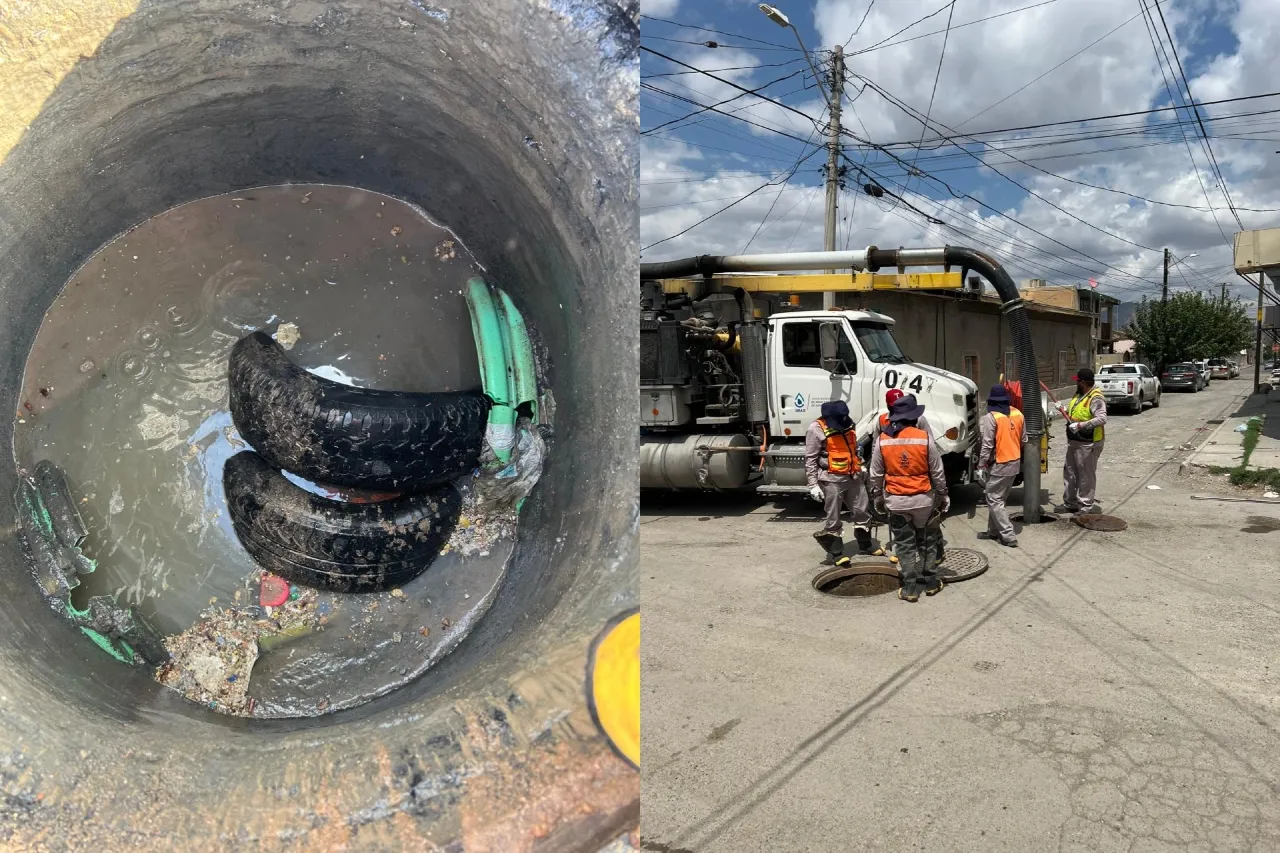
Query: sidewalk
pixel 1225 446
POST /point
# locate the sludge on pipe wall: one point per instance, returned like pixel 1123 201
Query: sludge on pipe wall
pixel 164 101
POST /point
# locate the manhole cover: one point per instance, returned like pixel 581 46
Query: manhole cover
pixel 1102 523
pixel 1045 518
pixel 865 576
pixel 960 564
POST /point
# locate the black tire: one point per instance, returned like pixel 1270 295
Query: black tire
pixel 1155 403
pixel 353 437
pixel 346 547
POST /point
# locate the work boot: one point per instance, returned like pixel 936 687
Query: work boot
pixel 909 592
pixel 933 585
pixel 1063 508
pixel 864 540
pixel 1009 543
pixel 843 561
pixel 831 543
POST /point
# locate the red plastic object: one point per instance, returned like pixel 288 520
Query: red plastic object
pixel 274 592
pixel 1015 393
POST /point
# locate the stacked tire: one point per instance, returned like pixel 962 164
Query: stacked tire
pixel 410 444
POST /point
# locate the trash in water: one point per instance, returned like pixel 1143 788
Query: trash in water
pixel 274 591
pixel 287 335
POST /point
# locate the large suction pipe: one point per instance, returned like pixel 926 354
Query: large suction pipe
pixel 872 259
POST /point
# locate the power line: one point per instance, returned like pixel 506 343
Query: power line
pixel 858 28
pixel 937 11
pixel 719 32
pixel 716 44
pixel 781 190
pixel 722 112
pixel 937 75
pixel 731 68
pixel 727 206
pixel 1222 181
pixel 1047 73
pixel 882 45
pixel 721 103
pixel 986 163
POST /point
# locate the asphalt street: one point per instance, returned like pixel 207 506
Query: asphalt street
pixel 1089 692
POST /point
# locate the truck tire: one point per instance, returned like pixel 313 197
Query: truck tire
pixel 345 547
pixel 353 437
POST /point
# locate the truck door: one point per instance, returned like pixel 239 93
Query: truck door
pixel 804 379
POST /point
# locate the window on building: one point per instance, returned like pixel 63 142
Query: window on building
pixel 1010 366
pixel 973 367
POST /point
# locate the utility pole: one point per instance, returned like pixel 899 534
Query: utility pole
pixel 1224 293
pixel 1164 315
pixel 1257 347
pixel 833 161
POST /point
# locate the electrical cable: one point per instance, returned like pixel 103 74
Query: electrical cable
pixel 704 109
pixel 937 75
pixel 881 46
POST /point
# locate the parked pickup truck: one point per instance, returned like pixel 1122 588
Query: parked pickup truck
pixel 1128 386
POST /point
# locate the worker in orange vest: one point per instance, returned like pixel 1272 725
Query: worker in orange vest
pixel 835 479
pixel 868 442
pixel 999 461
pixel 907 474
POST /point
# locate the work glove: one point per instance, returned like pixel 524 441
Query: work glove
pixel 815 492
pixel 1073 427
pixel 944 504
pixel 981 475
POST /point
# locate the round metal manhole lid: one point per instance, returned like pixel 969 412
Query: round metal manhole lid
pixel 864 576
pixel 961 564
pixel 1101 523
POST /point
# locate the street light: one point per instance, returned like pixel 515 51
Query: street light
pixel 774 14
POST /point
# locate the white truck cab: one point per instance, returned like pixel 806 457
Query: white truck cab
pixel 816 356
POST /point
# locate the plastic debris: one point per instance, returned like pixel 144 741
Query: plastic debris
pixel 274 591
pixel 1242 428
pixel 1154 488
pixel 1271 495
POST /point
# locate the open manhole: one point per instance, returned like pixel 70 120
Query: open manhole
pixel 1101 523
pixel 863 577
pixel 1044 518
pixel 961 564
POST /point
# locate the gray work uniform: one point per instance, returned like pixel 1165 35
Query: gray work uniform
pixel 1000 477
pixel 838 490
pixel 915 544
pixel 1080 471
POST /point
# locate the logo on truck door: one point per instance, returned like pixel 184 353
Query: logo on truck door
pixel 915 384
pixel 801 403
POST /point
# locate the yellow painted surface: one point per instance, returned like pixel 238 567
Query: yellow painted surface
pixel 837 283
pixel 40 41
pixel 615 686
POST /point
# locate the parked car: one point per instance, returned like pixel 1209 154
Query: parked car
pixel 1183 376
pixel 1235 369
pixel 1128 386
pixel 1219 368
pixel 1203 366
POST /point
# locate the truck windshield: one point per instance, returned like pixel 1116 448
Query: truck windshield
pixel 878 342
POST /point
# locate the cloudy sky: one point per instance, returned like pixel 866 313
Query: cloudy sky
pixel 1069 202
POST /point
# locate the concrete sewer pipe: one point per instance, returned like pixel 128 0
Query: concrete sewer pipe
pixel 513 121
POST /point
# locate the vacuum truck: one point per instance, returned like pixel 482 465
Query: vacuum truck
pixel 729 384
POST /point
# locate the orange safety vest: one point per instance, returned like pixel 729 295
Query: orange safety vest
pixel 906 461
pixel 1009 431
pixel 841 456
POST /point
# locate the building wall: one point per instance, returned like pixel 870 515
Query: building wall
pixel 970 337
pixel 1060 297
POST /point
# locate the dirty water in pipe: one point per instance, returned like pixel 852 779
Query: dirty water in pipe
pixel 126 389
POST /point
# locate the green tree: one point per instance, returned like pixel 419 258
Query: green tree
pixel 1190 326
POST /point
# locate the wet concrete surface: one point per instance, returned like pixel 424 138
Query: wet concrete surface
pixel 126 390
pixel 1089 692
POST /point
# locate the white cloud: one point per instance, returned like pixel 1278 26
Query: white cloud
pixel 983 64
pixel 659 8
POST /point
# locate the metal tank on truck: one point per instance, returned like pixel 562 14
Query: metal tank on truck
pixel 730 381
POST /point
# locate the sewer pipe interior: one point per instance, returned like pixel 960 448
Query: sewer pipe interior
pixel 514 123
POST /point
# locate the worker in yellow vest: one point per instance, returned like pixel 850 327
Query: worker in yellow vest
pixel 836 480
pixel 999 462
pixel 907 474
pixel 1086 421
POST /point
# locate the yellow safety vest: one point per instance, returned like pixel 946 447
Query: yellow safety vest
pixel 1080 411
